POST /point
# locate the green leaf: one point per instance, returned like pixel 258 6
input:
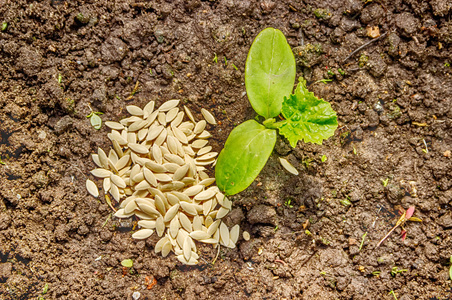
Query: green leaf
pixel 245 153
pixel 128 263
pixel 96 121
pixel 269 72
pixel 307 117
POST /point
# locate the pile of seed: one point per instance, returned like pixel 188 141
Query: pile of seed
pixel 156 171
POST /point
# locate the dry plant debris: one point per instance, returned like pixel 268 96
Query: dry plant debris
pixel 155 170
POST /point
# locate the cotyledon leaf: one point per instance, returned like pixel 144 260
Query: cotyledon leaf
pixel 307 117
pixel 245 153
pixel 269 72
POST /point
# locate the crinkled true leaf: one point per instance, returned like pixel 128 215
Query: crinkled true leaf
pixel 269 72
pixel 307 117
pixel 245 153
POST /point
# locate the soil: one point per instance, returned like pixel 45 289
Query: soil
pixel 313 236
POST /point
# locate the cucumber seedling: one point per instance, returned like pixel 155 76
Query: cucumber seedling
pixel 269 78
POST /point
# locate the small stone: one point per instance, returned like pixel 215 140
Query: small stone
pixel 63 124
pixel 136 295
pixel 447 153
pixel 262 214
pixel 5 271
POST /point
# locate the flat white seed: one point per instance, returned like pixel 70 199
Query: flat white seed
pixel 148 109
pixel 154 132
pixel 115 136
pixel 149 224
pixel 106 184
pixel 161 117
pixel 224 234
pixel 123 162
pixel 197 223
pixel 102 158
pixel 213 227
pixel 207 156
pixel 204 135
pixel 136 169
pixel 101 173
pixel 174 227
pixel 171 114
pixel 149 176
pixel 162 177
pixel 234 234
pixel 164 149
pixel 203 151
pixel 171 167
pixel 208 116
pixel 142 134
pixel 189 114
pixel 207 181
pixel 143 185
pixel 160 226
pixel 208 221
pixel 288 166
pixel 168 105
pixel 142 200
pixel 118 181
pixel 174 159
pixel 155 192
pixel 155 167
pixel 111 166
pixel 198 144
pixel 246 235
pixel 161 138
pixel 205 195
pixel 199 127
pixel 143 216
pixel 149 210
pixel 114 125
pixel 189 208
pixel 160 205
pixel 114 191
pixel 92 188
pixel 206 207
pixel 117 148
pixel 227 203
pixel 157 154
pixel 200 235
pixel 182 259
pixel 181 196
pixel 204 162
pixel 186 248
pixel 171 142
pixel 171 213
pixel 134 110
pixel 142 234
pixel 138 148
pixel 185 222
pixel 181 236
pixel 178 120
pixel 222 212
pixel 166 249
pixel 135 126
pixel 113 156
pixel 220 198
pixel 121 214
pixel 203 175
pixel 209 241
pixel 193 190
pixel 180 172
pixel 172 199
pixel 180 135
pixel 96 160
pixel 158 247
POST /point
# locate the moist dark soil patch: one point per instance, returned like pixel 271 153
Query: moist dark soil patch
pixel 313 236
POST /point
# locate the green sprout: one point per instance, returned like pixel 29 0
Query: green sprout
pixel 94 119
pixel 395 271
pixel 128 263
pixel 4 26
pixel 215 58
pixel 297 116
pixel 385 182
pixel 324 158
pixel 288 203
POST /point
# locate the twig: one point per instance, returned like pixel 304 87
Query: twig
pixel 365 45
